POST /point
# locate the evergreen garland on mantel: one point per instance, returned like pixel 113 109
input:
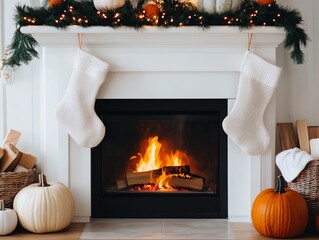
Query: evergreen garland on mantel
pixel 174 13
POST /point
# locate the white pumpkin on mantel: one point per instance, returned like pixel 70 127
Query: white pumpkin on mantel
pixel 43 207
pixel 103 5
pixel 8 219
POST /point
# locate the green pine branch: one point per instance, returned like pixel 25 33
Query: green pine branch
pixel 22 49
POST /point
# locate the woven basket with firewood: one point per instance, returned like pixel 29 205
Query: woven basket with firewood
pixel 307 182
pixel 12 182
pixel 17 169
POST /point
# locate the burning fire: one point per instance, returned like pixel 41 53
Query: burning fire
pixel 153 159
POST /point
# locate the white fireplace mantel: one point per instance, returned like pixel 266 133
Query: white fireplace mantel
pixel 185 62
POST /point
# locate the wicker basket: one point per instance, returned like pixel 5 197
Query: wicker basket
pixel 12 182
pixel 307 184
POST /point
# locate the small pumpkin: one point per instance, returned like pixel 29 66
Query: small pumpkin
pixel 103 5
pixel 55 2
pixel 8 219
pixel 151 10
pixel 44 207
pixel 280 212
pixel 266 2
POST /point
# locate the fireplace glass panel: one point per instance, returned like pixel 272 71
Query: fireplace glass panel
pixel 189 139
pixel 159 157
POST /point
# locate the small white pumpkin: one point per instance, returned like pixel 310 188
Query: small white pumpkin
pixel 8 219
pixel 103 5
pixel 44 207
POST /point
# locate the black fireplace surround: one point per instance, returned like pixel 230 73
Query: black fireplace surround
pixel 191 125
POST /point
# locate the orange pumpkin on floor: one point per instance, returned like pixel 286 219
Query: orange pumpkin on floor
pixel 280 212
pixel 55 2
pixel 266 2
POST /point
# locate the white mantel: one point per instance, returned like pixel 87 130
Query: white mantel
pixel 186 62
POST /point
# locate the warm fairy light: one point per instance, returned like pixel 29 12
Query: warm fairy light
pixel 172 20
pixel 80 20
pixel 200 17
pixel 57 21
pixel 237 19
pixel 229 22
pixel 180 24
pixel 225 18
pixel 278 15
pixel 86 21
pixel 256 11
pixel 74 19
pixel 189 17
pixel 269 5
pixel 98 12
pixel 264 24
pixel 251 21
pixel 25 18
pixel 118 20
pixel 274 20
pixel 117 15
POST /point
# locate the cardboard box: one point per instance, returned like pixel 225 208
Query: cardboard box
pixel 10 159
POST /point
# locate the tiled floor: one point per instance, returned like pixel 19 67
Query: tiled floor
pixel 168 229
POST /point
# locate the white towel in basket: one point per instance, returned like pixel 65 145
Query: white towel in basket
pixel 291 162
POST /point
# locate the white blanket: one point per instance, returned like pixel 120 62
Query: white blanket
pixel 291 162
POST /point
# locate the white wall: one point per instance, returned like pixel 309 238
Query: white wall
pixel 297 95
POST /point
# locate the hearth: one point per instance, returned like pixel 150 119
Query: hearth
pixel 160 158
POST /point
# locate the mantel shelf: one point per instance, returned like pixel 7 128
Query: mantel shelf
pixel 215 35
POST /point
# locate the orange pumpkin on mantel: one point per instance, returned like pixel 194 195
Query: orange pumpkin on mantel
pixel 151 10
pixel 266 2
pixel 55 2
pixel 280 212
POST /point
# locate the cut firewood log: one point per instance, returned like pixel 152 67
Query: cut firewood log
pixel 287 136
pixel 313 132
pixel 303 137
pixel 180 177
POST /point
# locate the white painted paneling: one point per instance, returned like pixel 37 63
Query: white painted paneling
pixel 19 96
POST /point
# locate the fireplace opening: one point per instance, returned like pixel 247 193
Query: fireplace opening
pixel 160 158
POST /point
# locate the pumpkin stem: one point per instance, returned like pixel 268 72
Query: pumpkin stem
pixel 43 180
pixel 280 188
pixel 2 208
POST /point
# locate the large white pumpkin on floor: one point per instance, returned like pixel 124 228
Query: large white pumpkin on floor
pixel 103 5
pixel 8 219
pixel 43 207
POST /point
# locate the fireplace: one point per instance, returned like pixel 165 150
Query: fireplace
pixel 160 158
pixel 152 63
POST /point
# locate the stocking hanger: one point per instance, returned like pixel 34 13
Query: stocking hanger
pixel 80 40
pixel 250 39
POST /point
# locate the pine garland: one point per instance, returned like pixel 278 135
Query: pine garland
pixel 173 14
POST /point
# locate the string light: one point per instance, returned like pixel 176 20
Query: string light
pixel 154 20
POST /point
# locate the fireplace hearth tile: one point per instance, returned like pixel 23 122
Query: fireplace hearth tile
pixel 168 229
pixel 197 229
pixel 123 229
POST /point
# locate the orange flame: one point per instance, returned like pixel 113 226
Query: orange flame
pixel 153 159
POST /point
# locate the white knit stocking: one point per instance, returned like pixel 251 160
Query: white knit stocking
pixel 245 123
pixel 76 110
